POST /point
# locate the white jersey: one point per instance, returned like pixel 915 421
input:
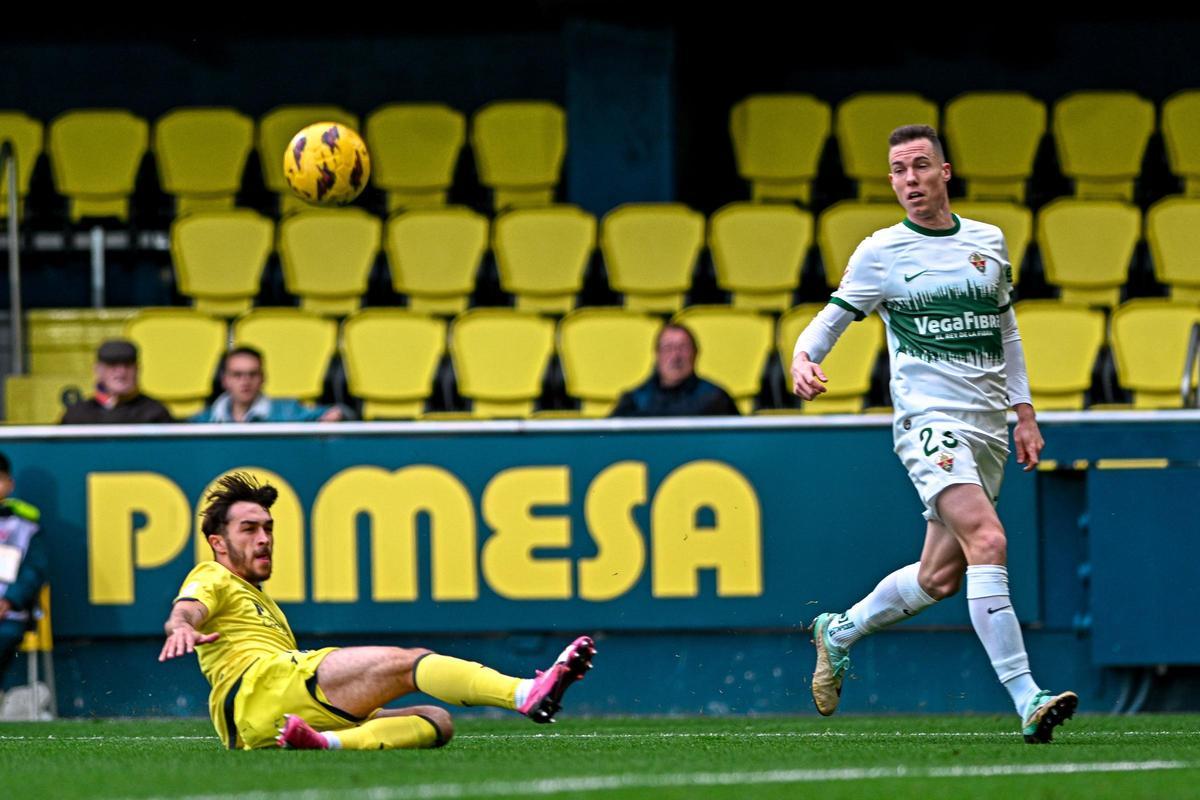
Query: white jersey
pixel 941 294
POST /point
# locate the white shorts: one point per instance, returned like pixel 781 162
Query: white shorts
pixel 939 450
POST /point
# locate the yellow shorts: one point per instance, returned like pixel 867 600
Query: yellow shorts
pixel 285 683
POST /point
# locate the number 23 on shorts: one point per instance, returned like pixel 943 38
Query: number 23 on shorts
pixel 927 435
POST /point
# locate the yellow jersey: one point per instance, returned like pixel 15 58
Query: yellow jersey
pixel 250 624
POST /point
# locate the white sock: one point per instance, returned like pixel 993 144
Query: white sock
pixel 997 627
pixel 897 596
pixel 522 694
pixel 334 742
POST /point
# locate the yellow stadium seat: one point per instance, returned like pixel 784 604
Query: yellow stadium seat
pixel 777 141
pixel 434 255
pixel 993 138
pixel 733 346
pixel 219 257
pixel 848 366
pixel 296 346
pixel 275 131
pixel 519 148
pixel 1181 134
pixel 863 124
pixel 758 251
pixel 605 352
pixel 500 356
pixel 26 134
pixel 414 148
pixel 391 357
pixel 95 155
pixel 38 645
pixel 650 251
pixel 1061 342
pixel 542 255
pixel 841 229
pixel 1149 341
pixel 1101 138
pixel 39 399
pixel 63 341
pixel 327 255
pixel 1086 246
pixel 201 155
pixel 1014 220
pixel 179 350
pixel 1173 230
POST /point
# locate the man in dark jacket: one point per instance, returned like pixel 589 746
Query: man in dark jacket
pixel 23 566
pixel 675 390
pixel 117 399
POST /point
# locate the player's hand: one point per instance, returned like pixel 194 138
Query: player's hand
pixel 808 380
pixel 1028 438
pixel 183 640
pixel 334 414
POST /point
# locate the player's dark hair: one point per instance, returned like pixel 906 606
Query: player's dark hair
pixel 236 487
pixel 675 326
pixel 910 133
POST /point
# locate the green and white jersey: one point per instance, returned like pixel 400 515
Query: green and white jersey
pixel 941 294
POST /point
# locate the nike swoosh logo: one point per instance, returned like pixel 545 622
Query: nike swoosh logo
pixel 908 613
pixel 1001 608
pixel 908 278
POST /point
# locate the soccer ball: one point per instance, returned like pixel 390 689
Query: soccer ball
pixel 327 164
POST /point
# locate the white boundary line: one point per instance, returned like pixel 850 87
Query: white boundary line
pixel 602 783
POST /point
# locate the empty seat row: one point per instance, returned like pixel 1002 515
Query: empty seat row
pixel 1100 139
pixel 201 153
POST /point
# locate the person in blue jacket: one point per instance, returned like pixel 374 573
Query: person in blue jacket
pixel 675 390
pixel 24 565
pixel 242 376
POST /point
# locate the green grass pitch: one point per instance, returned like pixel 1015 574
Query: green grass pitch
pixel 1093 757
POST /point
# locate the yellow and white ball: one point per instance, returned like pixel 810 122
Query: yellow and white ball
pixel 327 164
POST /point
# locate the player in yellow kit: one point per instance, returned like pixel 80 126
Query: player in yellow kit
pixel 266 691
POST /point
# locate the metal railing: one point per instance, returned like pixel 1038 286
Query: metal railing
pixel 8 167
pixel 1191 398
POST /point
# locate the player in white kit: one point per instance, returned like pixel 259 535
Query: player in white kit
pixel 942 286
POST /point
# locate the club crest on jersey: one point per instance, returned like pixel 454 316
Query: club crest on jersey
pixel 978 261
pixel 945 461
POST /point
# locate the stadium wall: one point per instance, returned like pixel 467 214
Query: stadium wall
pixel 694 549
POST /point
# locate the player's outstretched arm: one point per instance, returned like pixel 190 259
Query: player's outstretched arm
pixel 182 636
pixel 808 379
pixel 813 344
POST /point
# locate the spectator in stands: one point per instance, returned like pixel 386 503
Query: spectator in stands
pixel 23 567
pixel 675 390
pixel 242 378
pixel 117 399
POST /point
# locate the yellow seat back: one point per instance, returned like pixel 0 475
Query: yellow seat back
pixel 500 356
pixel 849 366
pixel 519 149
pixel 327 255
pixel 275 131
pixel 296 346
pixel 178 353
pixel 1173 230
pixel 26 135
pixel 605 352
pixel 63 341
pixel 1061 342
pixel 993 138
pixel 434 256
pixel 414 149
pixel 542 255
pixel 1181 135
pixel 201 155
pixel 863 124
pixel 95 155
pixel 758 251
pixel 777 141
pixel 1086 247
pixel 842 227
pixel 650 250
pixel 1101 138
pixel 1149 341
pixel 733 344
pixel 42 399
pixel 219 257
pixel 1016 221
pixel 391 357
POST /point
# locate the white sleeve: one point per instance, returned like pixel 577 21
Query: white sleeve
pixel 819 336
pixel 1014 360
pixel 861 289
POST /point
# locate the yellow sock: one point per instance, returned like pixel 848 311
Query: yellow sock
pixel 464 683
pixel 390 733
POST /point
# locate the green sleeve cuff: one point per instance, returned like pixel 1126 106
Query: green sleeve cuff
pixel 839 302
